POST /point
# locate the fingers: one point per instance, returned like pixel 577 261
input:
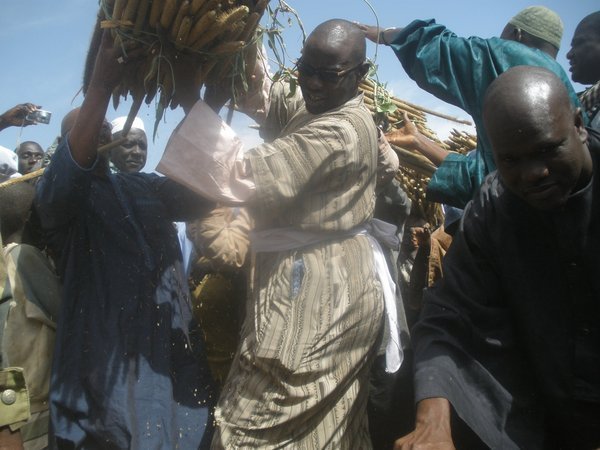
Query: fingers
pixel 17 115
pixel 29 107
pixel 371 32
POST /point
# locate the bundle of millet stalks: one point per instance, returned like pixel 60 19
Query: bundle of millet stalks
pixel 219 36
pixel 415 170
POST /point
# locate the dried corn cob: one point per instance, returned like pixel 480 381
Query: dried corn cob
pixel 214 32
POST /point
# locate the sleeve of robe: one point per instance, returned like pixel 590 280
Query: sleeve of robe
pixel 465 349
pixel 223 236
pixel 205 155
pixel 387 162
pixel 62 189
pixel 319 156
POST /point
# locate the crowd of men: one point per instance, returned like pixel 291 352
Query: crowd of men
pixel 253 298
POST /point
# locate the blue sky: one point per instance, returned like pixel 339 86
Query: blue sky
pixel 44 44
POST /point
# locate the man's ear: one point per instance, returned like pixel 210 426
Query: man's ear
pixel 580 125
pixel 364 70
pixel 518 34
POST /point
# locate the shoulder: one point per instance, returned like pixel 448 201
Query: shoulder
pixel 343 124
pixel 594 142
pixel 492 206
pixel 353 115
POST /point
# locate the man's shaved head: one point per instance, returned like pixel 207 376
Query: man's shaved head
pixel 342 37
pixel 332 65
pixel 538 138
pixel 525 91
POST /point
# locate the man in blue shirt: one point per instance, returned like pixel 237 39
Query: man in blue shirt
pixel 127 373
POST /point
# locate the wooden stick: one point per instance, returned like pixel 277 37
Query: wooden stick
pixel 26 177
pixel 111 145
pixel 39 172
pixel 369 86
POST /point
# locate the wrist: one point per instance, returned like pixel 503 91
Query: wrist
pixel 381 38
pixel 436 410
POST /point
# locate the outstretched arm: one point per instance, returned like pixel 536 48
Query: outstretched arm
pixel 408 137
pixel 379 35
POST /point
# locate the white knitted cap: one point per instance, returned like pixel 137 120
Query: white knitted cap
pixel 9 162
pixel 118 124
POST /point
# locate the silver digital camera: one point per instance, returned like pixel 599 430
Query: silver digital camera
pixel 39 116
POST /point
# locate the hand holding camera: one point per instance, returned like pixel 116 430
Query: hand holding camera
pixel 39 116
pixel 23 115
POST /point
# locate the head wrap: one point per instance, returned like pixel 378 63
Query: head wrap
pixel 9 163
pixel 540 22
pixel 117 124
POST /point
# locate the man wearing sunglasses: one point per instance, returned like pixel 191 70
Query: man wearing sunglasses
pixel 328 86
pixel 315 311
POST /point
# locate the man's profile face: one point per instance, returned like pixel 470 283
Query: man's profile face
pixel 584 56
pixel 540 158
pixel 510 33
pixel 29 154
pixel 130 156
pixel 327 77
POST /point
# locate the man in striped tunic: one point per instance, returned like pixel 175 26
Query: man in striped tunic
pixel 315 313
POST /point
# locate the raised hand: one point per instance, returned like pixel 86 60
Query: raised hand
pixel 371 31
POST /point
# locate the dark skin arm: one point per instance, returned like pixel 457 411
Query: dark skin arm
pixel 432 427
pixel 187 91
pixel 84 136
pixel 408 137
pixel 15 116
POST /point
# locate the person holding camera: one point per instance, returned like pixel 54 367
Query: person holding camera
pixel 17 116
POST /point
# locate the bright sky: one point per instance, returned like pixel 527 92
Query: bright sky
pixel 44 44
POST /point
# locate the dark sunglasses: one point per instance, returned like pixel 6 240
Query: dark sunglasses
pixel 326 75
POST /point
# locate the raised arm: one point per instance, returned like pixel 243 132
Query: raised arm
pixel 108 71
pixel 66 182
